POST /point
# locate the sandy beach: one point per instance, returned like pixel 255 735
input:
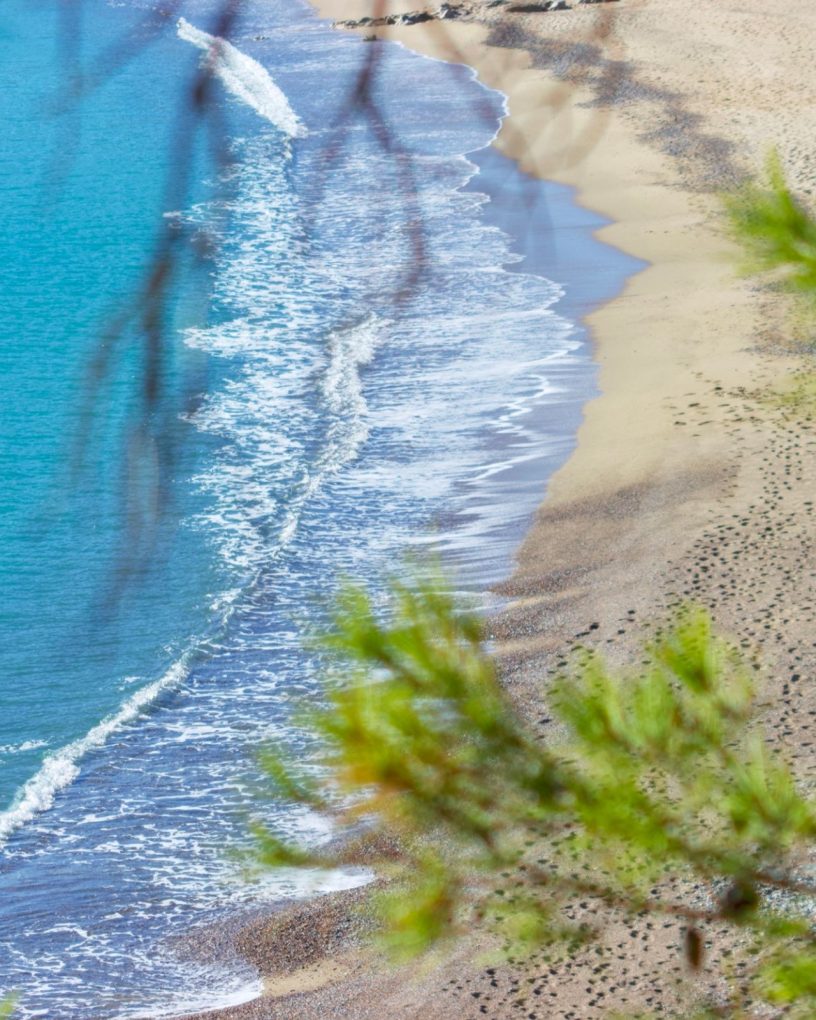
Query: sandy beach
pixel 691 478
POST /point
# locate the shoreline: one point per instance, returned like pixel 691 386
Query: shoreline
pixel 680 463
pixel 554 239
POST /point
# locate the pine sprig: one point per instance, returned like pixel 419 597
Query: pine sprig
pixel 776 232
pixel 659 781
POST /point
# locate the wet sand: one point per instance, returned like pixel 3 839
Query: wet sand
pixel 691 479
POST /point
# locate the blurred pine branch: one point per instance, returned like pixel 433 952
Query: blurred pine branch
pixel 775 231
pixel 7 1007
pixel 655 792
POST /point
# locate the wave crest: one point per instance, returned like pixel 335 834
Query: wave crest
pixel 244 78
pixel 61 768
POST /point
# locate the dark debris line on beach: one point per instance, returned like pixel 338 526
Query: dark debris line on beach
pixel 449 12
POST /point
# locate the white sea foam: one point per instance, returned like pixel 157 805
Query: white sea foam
pixel 349 351
pixel 245 78
pixel 61 768
pixel 251 414
pixel 27 745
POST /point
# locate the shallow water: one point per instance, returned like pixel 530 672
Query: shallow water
pixel 338 428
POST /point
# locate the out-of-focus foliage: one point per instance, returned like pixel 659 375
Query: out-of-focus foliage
pixel 7 1007
pixel 795 395
pixel 775 231
pixel 654 791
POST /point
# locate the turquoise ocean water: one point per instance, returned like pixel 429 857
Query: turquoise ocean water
pixel 318 427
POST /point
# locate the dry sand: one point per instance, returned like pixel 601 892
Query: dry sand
pixel 687 481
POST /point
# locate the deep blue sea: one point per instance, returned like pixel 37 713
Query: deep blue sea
pixel 325 409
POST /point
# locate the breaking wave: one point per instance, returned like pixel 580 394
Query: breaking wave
pixel 244 78
pixel 61 768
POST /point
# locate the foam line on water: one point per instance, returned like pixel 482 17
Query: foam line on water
pixel 244 78
pixel 26 745
pixel 475 77
pixel 61 768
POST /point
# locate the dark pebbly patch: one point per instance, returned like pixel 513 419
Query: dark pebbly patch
pixel 290 938
pixel 446 12
pixel 450 12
